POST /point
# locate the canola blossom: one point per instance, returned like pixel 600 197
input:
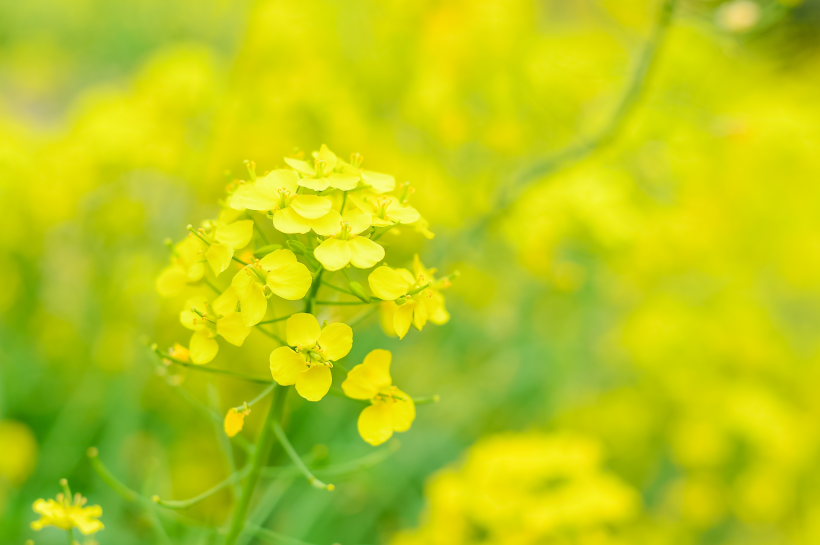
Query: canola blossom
pixel 67 512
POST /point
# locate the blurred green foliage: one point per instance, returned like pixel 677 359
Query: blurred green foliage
pixel 659 299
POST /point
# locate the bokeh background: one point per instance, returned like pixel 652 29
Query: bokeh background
pixel 650 310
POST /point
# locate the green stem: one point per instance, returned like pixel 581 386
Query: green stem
pixel 216 370
pixel 269 536
pixel 260 456
pixel 182 504
pixel 273 336
pixel 70 534
pixel 345 303
pixel 344 202
pixel 310 304
pixel 337 288
pixel 361 318
pixel 277 319
pixel 258 398
pixel 294 456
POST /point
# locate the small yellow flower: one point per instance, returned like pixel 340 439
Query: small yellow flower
pixel 384 210
pixel 343 244
pixel 67 514
pixel 308 367
pixel 235 420
pixel 327 171
pixel 187 266
pixel 209 321
pixel 228 235
pixel 292 213
pixel 390 410
pixel 277 273
pixel 418 292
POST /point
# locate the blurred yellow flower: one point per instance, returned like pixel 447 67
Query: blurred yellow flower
pixel 67 514
pixel 308 367
pixel 327 171
pixel 187 266
pixel 18 455
pixel 390 410
pixel 415 297
pixel 279 273
pixel 208 321
pixel 343 246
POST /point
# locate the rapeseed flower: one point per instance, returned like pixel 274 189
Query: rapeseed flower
pixel 390 410
pixel 327 171
pixel 277 273
pixel 208 321
pixel 187 266
pixel 415 296
pixel 344 245
pixel 384 210
pixel 277 192
pixel 235 420
pixel 67 514
pixel 228 235
pixel 308 366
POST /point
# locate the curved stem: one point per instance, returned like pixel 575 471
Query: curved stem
pixel 260 456
pixel 205 368
pixel 182 504
pixel 294 456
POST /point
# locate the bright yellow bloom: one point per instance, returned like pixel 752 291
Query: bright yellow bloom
pixel 235 420
pixel 278 273
pixel 207 322
pixel 187 266
pixel 390 410
pixel 228 235
pixel 292 213
pixel 384 210
pixel 67 514
pixel 418 293
pixel 308 367
pixel 377 182
pixel 344 245
pixel 327 171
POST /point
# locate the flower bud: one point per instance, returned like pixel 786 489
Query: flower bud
pixel 358 291
pixel 297 247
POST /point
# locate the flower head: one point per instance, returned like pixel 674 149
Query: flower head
pixel 235 420
pixel 344 245
pixel 385 209
pixel 390 410
pixel 208 321
pixel 327 171
pixel 67 513
pixel 418 292
pixel 277 273
pixel 292 213
pixel 308 366
pixel 228 234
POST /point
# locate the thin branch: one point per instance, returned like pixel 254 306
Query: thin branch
pixel 184 504
pixel 283 439
pixel 629 100
pixel 362 317
pixel 269 536
pixel 207 369
pixel 258 398
pixel 277 319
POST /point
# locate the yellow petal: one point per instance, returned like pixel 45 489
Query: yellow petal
pixel 234 421
pixel 402 412
pixel 364 253
pixel 335 340
pixel 359 221
pixel 253 303
pixel 387 283
pixel 299 165
pixel 366 379
pixel 286 366
pixel 420 312
pixel 333 254
pixel 374 424
pixel 314 383
pixel 243 279
pixel 402 214
pixel 203 348
pixel 254 196
pixel 403 318
pixel 277 258
pixel 171 281
pixel 311 206
pixel 219 257
pixel 316 184
pixel 233 328
pixel 329 224
pixel 387 311
pixel 302 329
pixel 226 303
pixel 291 281
pixel 344 182
pixel 288 221
pixel 381 183
pixel 280 179
pixel 84 521
pixel 328 157
pixel 436 312
pixel 236 235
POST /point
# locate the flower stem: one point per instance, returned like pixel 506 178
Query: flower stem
pixel 260 456
pixel 294 456
pixel 207 369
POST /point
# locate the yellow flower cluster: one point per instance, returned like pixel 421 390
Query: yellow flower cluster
pixel 281 237
pixel 68 513
pixel 526 489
